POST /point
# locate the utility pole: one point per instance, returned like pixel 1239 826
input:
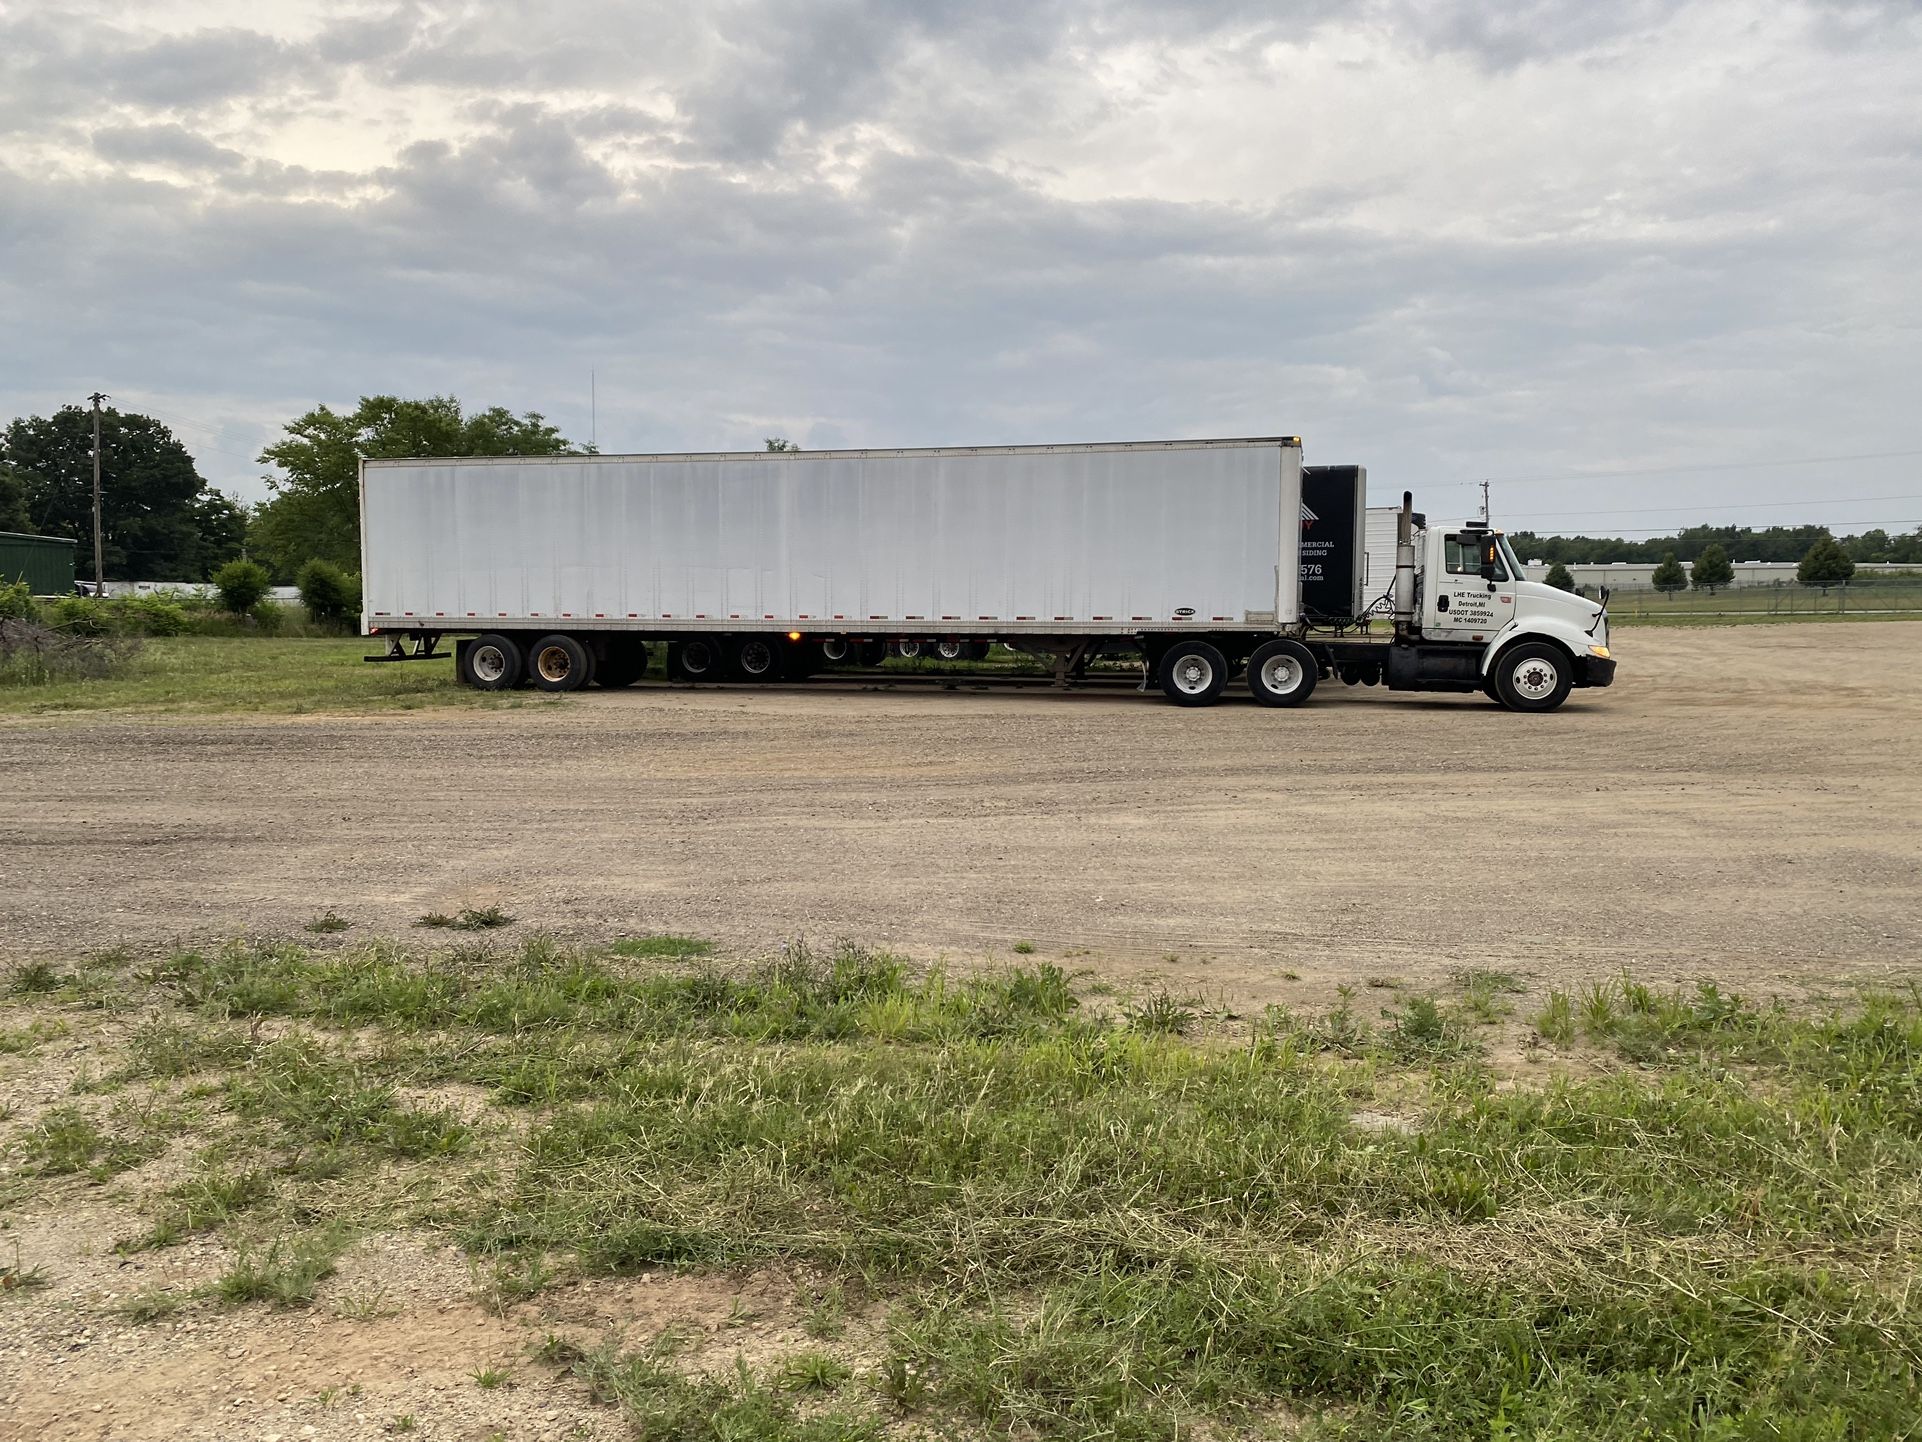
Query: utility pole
pixel 99 582
pixel 1484 503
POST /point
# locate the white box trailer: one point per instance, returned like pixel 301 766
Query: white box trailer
pixel 754 566
pixel 984 541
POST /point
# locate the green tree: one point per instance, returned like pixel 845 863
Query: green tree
pixel 330 595
pixel 1712 569
pixel 159 521
pixel 1559 578
pixel 13 500
pixel 1825 565
pixel 242 585
pixel 315 511
pixel 1669 575
pixel 779 443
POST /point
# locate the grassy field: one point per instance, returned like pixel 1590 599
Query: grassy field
pixel 1658 1216
pixel 213 674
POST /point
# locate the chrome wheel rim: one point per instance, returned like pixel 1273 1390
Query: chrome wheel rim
pixel 1193 675
pixel 949 650
pixel 1281 675
pixel 835 650
pixel 1535 678
pixel 489 663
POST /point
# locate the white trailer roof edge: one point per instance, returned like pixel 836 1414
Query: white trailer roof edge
pixel 1085 448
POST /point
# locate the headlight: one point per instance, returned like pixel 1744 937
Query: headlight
pixel 1601 651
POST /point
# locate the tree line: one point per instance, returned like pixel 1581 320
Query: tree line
pixel 1739 543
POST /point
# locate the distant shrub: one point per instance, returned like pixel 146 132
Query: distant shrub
pixel 80 616
pixel 331 595
pixel 268 617
pixel 242 585
pixel 150 616
pixel 16 602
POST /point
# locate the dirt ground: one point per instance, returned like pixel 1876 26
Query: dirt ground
pixel 1745 804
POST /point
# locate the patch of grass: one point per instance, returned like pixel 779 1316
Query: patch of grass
pixel 660 1402
pixel 484 918
pixel 663 947
pixel 166 1047
pixel 1557 1020
pixel 287 1274
pixel 328 921
pixel 18 1041
pixel 1161 1015
pixel 436 920
pixel 33 978
pixel 1420 1030
pixel 813 1372
pixel 16 1276
pixel 1024 948
pixel 319 1096
pixel 490 1379
pixel 509 1280
pixel 254 674
pixel 67 1140
pixel 403 1422
pixel 825 1315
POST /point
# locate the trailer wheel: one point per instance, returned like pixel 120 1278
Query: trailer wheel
pixel 1282 673
pixel 621 666
pixel 1533 676
pixel 951 650
pixel 1193 673
pixel 491 663
pixel 978 650
pixel 558 663
pixel 871 653
pixel 695 660
pixel 835 650
pixel 908 650
pixel 756 658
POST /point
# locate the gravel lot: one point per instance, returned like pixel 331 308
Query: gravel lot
pixel 1745 804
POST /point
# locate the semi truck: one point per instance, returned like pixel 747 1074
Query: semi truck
pixel 1214 563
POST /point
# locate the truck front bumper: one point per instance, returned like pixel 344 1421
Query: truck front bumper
pixel 1596 671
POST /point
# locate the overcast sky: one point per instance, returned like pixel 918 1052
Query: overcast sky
pixel 1543 241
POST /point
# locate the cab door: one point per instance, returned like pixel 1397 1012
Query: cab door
pixel 1460 602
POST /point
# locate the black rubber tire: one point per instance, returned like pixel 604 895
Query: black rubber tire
pixel 1193 673
pixel 1533 676
pixel 871 653
pixel 623 665
pixel 1288 663
pixel 950 650
pixel 837 650
pixel 978 650
pixel 493 650
pixel 558 663
pixel 755 658
pixel 908 650
pixel 695 660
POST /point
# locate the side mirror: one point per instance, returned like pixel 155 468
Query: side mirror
pixel 1491 558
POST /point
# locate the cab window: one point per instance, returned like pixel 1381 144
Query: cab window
pixel 1463 557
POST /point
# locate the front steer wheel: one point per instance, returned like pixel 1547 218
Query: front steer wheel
pixel 1533 676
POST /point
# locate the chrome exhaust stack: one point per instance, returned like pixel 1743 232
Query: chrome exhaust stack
pixel 1405 565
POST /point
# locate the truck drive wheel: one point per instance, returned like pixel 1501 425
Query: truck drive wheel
pixel 1193 673
pixel 1282 673
pixel 491 663
pixel 951 650
pixel 835 650
pixel 559 663
pixel 871 653
pixel 1533 676
pixel 756 658
pixel 696 660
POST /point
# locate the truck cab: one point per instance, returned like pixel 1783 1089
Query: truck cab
pixel 1530 643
